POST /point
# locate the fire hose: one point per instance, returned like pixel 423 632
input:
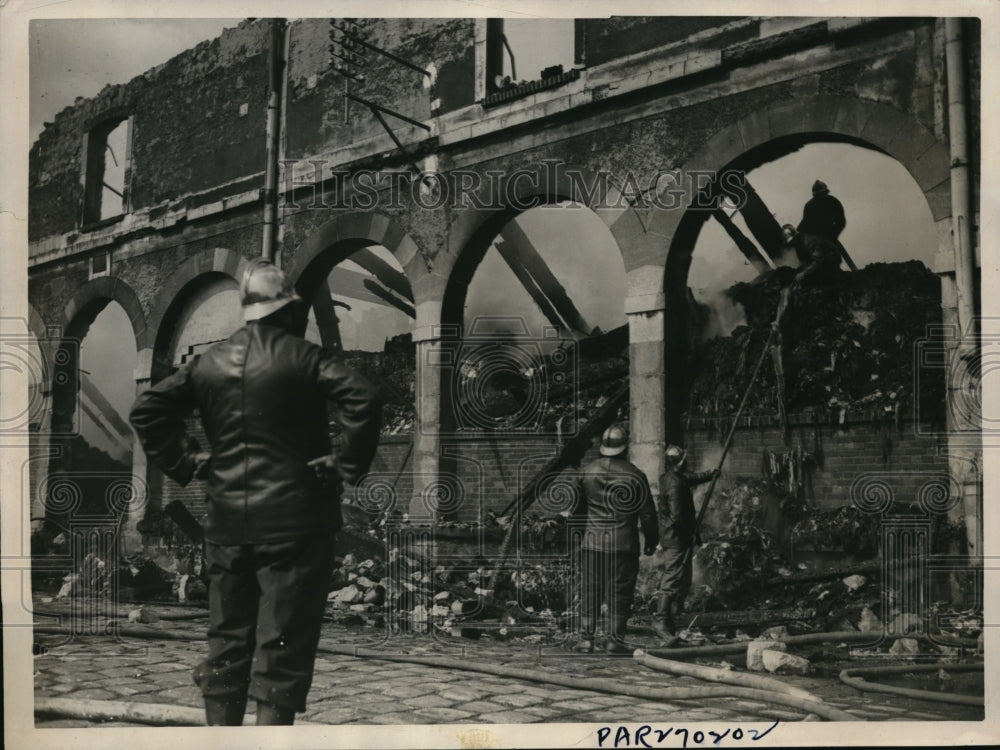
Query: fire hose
pixel 714 674
pixel 853 677
pixel 768 695
pixel 806 639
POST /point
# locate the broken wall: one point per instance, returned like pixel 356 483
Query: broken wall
pixel 198 123
pixel 606 39
pixel 315 103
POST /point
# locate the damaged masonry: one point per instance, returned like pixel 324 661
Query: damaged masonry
pixel 507 323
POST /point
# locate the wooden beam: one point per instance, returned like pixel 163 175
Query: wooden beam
pixel 351 285
pixel 761 222
pixel 384 272
pixel 326 318
pixel 546 280
pixel 743 243
pixel 380 291
pixel 513 260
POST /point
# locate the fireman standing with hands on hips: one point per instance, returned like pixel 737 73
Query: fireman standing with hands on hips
pixel 273 491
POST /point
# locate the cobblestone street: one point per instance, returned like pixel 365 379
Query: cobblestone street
pixel 367 691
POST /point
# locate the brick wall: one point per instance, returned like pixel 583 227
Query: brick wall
pixel 490 473
pixel 190 132
pixel 842 453
pixel 609 38
pixel 315 89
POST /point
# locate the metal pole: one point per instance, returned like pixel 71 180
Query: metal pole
pixel 273 138
pixel 965 261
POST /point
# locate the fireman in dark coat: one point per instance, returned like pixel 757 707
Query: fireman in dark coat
pixel 822 215
pixel 614 496
pixel 818 256
pixel 677 539
pixel 273 492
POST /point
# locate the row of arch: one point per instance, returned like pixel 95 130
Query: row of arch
pixel 438 288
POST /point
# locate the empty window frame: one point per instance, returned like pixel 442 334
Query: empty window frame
pixel 522 50
pixel 105 188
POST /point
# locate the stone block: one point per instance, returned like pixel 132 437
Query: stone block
pixel 755 128
pixel 931 168
pixel 851 118
pixel 780 662
pixel 939 201
pixel 645 329
pixel 905 647
pixel 646 359
pixel 755 650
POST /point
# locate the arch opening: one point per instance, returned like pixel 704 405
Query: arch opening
pixel 534 296
pixel 88 479
pixel 848 337
pixel 361 303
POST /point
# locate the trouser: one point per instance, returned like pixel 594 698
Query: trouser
pixel 607 577
pixel 675 578
pixel 266 604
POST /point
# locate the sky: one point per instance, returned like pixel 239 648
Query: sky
pixel 887 217
pixel 78 57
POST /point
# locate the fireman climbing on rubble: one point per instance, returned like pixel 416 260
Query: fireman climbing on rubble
pixel 815 240
pixel 678 536
pixel 818 256
pixel 822 215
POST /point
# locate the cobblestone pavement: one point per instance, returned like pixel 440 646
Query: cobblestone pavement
pixel 349 690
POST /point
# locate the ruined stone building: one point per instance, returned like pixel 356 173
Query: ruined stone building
pixel 247 146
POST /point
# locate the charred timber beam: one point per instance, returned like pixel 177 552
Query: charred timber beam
pixel 572 453
pixel 760 221
pixel 547 282
pixel 750 250
pixel 513 261
pixel 386 274
pixel 380 291
pixel 326 317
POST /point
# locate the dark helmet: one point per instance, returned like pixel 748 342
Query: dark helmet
pixel 675 456
pixel 614 441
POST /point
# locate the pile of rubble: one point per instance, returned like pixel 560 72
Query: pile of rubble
pixel 409 595
pixel 394 371
pixel 848 347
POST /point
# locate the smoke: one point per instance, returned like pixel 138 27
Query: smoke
pixel 708 459
pixel 723 314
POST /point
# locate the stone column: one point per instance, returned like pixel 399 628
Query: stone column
pixel 963 418
pixel 430 359
pixel 646 362
pixel 132 538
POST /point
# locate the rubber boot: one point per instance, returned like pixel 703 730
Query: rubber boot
pixel 220 712
pixel 616 645
pixel 663 620
pixel 586 643
pixel 269 714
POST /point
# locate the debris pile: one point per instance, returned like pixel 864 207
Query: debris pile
pixel 394 371
pixel 408 594
pixel 848 347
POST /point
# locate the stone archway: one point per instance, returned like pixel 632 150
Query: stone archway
pixel 310 264
pixel 775 131
pixel 474 229
pixel 168 303
pixel 123 497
